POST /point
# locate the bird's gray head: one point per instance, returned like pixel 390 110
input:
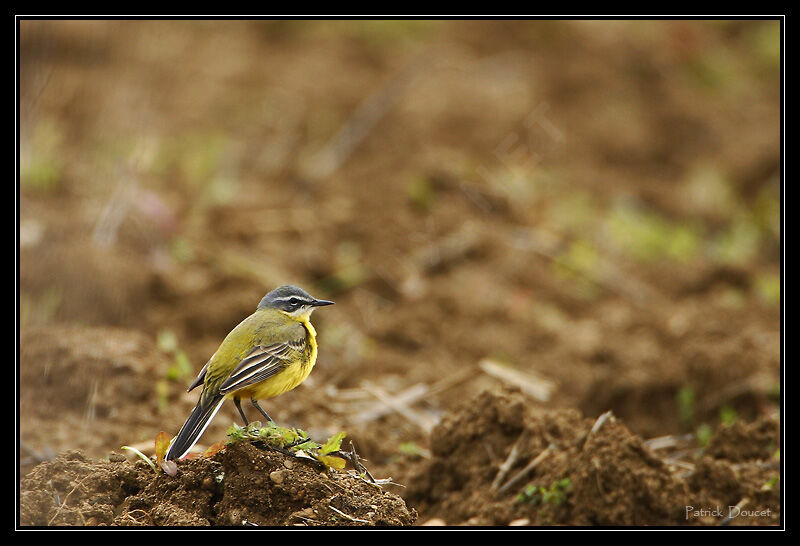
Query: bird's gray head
pixel 292 300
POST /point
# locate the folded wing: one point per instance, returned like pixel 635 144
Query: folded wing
pixel 261 363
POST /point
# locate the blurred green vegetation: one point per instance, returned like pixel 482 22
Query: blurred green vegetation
pixel 685 400
pixel 728 415
pixel 181 367
pixel 421 193
pixel 39 309
pixel 42 167
pixel 349 270
pixel 647 236
pixel 703 433
pixel 577 264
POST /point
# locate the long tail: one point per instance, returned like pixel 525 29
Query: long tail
pixel 195 425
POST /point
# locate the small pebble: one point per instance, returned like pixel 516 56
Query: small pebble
pixel 116 458
pixel 288 464
pixel 522 522
pixel 277 476
pixel 434 522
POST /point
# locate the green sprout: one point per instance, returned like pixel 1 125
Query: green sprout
pixel 556 495
pixel 771 483
pixel 142 456
pixel 685 402
pixel 421 193
pixel 181 367
pixel 703 434
pixel 728 415
pixel 410 449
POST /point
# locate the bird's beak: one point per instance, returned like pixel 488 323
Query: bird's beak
pixel 322 303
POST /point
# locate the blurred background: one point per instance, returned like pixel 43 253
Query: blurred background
pixel 586 210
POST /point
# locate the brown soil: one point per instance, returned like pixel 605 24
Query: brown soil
pixel 614 477
pixel 239 486
pixel 594 205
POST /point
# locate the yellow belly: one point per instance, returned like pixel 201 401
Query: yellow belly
pixel 280 383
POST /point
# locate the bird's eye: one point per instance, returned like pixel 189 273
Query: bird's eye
pixel 294 301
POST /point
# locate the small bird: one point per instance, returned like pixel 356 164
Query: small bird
pixel 268 353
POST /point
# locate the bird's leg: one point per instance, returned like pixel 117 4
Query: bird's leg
pixel 259 408
pixel 238 403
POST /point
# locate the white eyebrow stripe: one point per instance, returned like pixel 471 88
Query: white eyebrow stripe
pixel 288 298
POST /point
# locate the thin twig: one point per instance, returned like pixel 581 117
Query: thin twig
pixel 537 387
pixel 358 126
pixel 355 460
pixel 511 460
pixel 666 442
pixel 681 464
pixel 598 424
pixel 351 518
pixel 422 420
pixel 47 454
pixel 114 212
pixel 519 476
pixel 63 504
pixel 407 397
pixel 730 517
pixel 90 402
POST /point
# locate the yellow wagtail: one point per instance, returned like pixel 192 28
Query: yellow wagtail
pixel 268 353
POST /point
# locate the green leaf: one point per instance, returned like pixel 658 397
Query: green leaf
pixel 333 462
pixel 333 443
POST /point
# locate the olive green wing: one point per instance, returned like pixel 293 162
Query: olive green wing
pixel 262 363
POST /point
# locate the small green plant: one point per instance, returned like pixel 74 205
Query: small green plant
pixel 161 445
pixel 771 483
pixel 410 449
pixel 555 495
pixel 42 175
pixel 704 434
pixel 728 415
pixel 421 193
pixel 685 402
pixel 182 250
pixel 181 367
pixel 768 288
pixel 578 263
pixel 291 439
pixel 142 456
pixel 648 237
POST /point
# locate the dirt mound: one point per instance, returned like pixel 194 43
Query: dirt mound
pixel 242 485
pixel 497 460
pixel 741 442
pixel 740 468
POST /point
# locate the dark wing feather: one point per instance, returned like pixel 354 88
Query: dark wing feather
pixel 262 363
pixel 201 377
